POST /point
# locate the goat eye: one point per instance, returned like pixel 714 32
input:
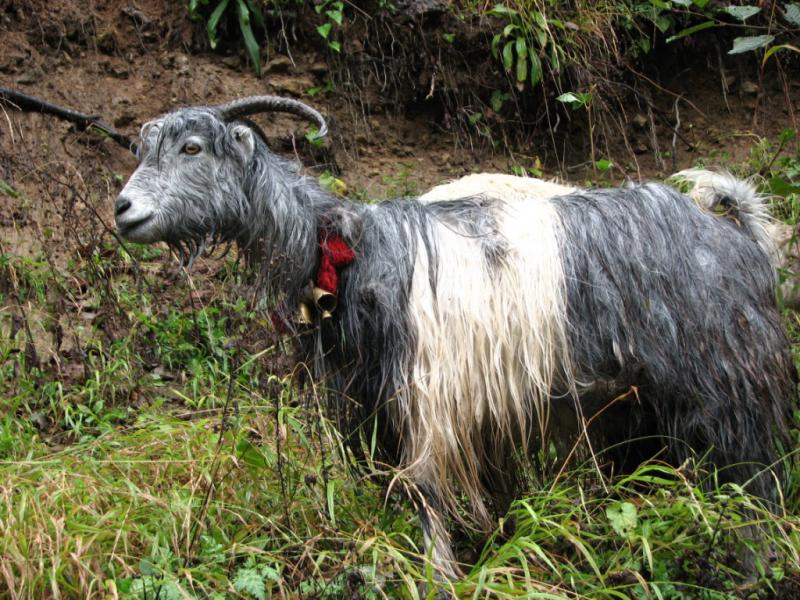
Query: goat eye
pixel 191 148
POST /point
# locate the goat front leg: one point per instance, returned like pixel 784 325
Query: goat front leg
pixel 438 547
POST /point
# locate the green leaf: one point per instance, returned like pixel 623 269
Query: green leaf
pixel 663 22
pixel 146 567
pixel 508 56
pixel 7 190
pixel 194 6
pixel 555 61
pixel 603 164
pixel 540 35
pixel 522 69
pixel 253 49
pixel 450 37
pixel 271 573
pixel 330 492
pixel 792 14
pixel 255 12
pixel 778 186
pixel 501 10
pixel 568 98
pixel 742 13
pixel 497 100
pixel 313 137
pixel 691 30
pixel 251 583
pixel 778 48
pixel 686 3
pixel 700 3
pixel 537 549
pixel 335 46
pixel 508 29
pixel 750 43
pixel 623 518
pixel 536 69
pixel 496 45
pixel 213 23
pixel 575 99
pixel 333 184
pixel 252 456
pixel 335 15
pixel 539 19
pixel 521 47
pixel 786 135
pixel 324 30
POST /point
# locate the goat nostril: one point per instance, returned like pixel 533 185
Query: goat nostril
pixel 122 206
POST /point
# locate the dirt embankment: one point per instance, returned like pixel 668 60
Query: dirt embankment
pixel 402 100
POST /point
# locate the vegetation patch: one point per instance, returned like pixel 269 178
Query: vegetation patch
pixel 157 440
pixel 555 67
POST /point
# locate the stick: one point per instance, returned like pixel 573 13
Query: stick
pixel 27 103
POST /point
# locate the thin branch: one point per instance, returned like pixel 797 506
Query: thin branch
pixel 27 103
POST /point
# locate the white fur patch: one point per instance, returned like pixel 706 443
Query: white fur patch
pixel 508 188
pixel 490 344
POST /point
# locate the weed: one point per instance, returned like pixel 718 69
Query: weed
pixel 402 183
pixel 525 37
pixel 250 17
pixel 323 89
pixel 191 471
pixel 334 11
pixel 248 13
pixel 332 183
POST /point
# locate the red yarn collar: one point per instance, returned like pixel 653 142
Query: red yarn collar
pixel 335 254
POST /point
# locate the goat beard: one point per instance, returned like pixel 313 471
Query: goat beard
pixel 190 249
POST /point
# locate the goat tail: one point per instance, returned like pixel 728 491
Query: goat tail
pixel 737 199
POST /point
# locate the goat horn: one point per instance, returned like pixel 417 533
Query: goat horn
pixel 258 104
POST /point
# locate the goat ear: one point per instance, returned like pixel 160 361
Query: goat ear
pixel 243 137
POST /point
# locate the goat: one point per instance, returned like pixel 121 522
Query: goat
pixel 464 324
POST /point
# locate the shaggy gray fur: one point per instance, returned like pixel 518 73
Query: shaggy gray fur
pixel 669 298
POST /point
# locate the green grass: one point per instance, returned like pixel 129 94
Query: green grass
pixel 171 503
pixel 134 510
pixel 153 445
